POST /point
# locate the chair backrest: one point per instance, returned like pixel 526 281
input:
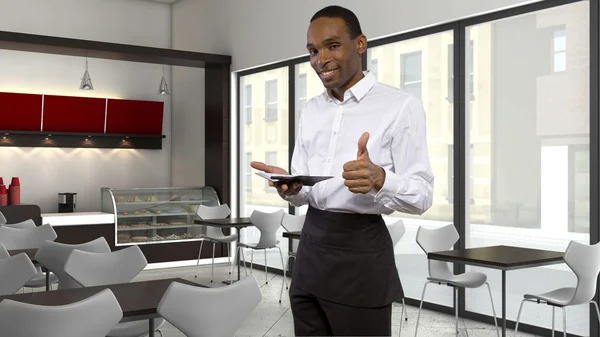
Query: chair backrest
pixel 293 223
pixel 436 240
pixel 54 256
pixel 208 312
pixel 584 260
pixel 15 271
pixel 94 316
pixel 95 269
pixel 216 212
pixel 397 230
pixel 267 224
pixel 26 238
pixel 3 252
pixel 29 223
pixel 2 219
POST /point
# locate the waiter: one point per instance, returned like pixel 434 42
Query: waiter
pixel 372 138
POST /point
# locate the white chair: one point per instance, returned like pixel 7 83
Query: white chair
pixel 29 223
pixel 26 235
pixel 291 223
pixel 207 312
pixel 267 224
pixel 214 234
pixel 91 317
pixel 121 266
pixel 26 238
pixel 441 239
pixel 397 231
pixel 584 261
pixel 2 219
pixel 54 255
pixel 15 271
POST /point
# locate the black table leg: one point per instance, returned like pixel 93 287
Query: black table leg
pixel 503 303
pixel 237 259
pixel 47 280
pixel 151 327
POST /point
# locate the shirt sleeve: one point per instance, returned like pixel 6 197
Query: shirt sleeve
pixel 299 166
pixel 408 187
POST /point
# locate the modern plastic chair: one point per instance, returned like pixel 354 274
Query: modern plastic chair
pixel 54 255
pixel 584 261
pixel 267 224
pixel 397 231
pixel 121 266
pixel 15 271
pixel 214 234
pixel 441 239
pixel 91 317
pixel 29 223
pixel 26 235
pixel 207 312
pixel 291 223
pixel 26 238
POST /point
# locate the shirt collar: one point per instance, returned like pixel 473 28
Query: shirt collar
pixel 360 89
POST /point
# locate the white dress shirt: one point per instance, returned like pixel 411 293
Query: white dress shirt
pixel 328 136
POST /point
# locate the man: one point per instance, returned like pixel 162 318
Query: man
pixel 372 138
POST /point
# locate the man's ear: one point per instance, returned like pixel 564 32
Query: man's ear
pixel 361 44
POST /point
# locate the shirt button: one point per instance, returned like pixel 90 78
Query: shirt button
pixel 329 160
pixel 334 133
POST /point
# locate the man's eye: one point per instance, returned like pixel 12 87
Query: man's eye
pixel 312 52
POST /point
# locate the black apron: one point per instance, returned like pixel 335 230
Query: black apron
pixel 347 258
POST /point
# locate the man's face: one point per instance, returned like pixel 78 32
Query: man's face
pixel 333 55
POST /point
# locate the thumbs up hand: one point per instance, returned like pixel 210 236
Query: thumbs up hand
pixel 361 175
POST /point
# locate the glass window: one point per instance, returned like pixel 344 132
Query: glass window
pixel 256 142
pixel 415 54
pixel 470 72
pixel 530 179
pixel 560 50
pixel 248 103
pixel 301 90
pixel 374 68
pixel 270 159
pixel 271 100
pixel 412 72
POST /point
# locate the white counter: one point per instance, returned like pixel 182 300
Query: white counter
pixel 78 218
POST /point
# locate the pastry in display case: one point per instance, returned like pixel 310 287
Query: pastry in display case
pixel 157 215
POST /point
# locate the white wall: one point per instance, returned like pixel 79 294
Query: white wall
pixel 266 31
pixel 44 172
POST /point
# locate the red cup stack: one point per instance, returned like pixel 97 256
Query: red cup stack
pixel 14 194
pixel 3 195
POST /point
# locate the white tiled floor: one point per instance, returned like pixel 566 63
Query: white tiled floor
pixel 272 318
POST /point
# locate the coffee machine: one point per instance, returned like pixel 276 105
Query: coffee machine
pixel 67 202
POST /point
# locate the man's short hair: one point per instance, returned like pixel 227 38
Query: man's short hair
pixel 345 14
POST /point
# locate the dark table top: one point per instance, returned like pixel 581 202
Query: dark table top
pixel 292 235
pixel 30 253
pixel 138 300
pixel 500 257
pixel 225 223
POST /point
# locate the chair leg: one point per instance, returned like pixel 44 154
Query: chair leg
pixel 597 310
pixel 252 261
pixel 198 263
pixel 284 269
pixel 420 306
pixel 160 332
pixel 212 270
pixel 266 275
pixel 244 258
pixel 281 255
pixel 518 317
pixel 564 310
pixel 493 309
pixel 229 255
pixel 401 317
pixel 553 315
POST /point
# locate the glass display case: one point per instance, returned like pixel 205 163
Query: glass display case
pixel 157 215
